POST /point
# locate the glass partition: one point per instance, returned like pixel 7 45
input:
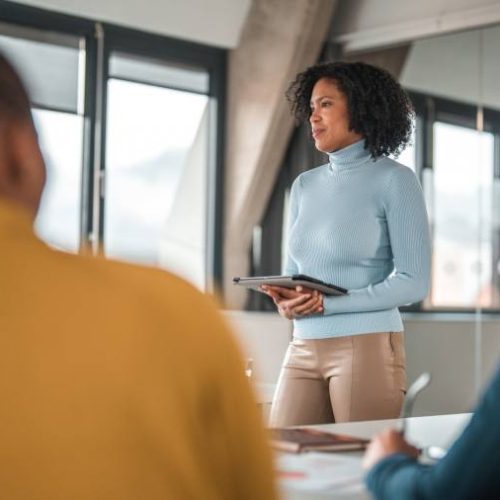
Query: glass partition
pixel 455 152
pixel 453 79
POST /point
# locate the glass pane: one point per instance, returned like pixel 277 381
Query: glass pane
pixel 446 66
pixel 58 221
pixel 50 71
pixel 408 156
pixel 128 67
pixel 156 177
pixel 462 209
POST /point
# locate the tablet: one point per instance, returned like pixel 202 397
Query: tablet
pixel 255 282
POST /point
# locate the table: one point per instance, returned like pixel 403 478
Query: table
pixel 438 430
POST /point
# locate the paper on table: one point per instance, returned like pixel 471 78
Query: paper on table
pixel 320 472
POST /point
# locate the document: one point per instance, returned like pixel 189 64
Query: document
pixel 322 472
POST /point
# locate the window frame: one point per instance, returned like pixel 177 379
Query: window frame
pixel 101 39
pixel 430 109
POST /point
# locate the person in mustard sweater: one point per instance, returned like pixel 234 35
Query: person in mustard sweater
pixel 116 381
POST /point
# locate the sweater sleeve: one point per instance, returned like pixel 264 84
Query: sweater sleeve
pixel 291 267
pixel 471 469
pixel 411 249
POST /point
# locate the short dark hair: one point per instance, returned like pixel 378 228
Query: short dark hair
pixel 14 100
pixel 379 108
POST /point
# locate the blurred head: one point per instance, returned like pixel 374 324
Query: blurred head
pixel 346 102
pixel 22 169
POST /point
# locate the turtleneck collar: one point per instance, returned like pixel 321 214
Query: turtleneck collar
pixel 349 157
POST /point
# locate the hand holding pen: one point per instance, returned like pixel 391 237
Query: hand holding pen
pixel 411 395
pixel 393 441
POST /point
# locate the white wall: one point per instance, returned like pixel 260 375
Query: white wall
pixel 264 337
pixel 213 22
pixel 366 24
pixel 446 347
pixel 472 70
pixel 436 343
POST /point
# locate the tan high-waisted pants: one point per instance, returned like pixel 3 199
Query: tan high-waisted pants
pixel 358 377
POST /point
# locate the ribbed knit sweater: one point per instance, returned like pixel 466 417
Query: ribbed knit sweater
pixel 362 225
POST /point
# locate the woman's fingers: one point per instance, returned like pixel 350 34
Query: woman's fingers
pixel 314 305
pixel 292 303
pixel 273 294
pixel 314 309
pixel 307 306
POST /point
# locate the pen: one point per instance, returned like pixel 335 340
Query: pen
pixel 413 391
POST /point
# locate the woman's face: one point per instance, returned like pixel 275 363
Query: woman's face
pixel 330 118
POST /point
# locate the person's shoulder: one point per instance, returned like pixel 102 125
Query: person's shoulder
pixel 489 402
pixel 392 172
pixel 315 171
pixel 495 379
pixel 312 174
pixel 390 166
pixel 157 294
pixel 121 278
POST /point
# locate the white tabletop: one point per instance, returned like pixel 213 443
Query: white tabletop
pixel 307 476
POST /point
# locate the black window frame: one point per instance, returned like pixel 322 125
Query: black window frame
pixel 154 46
pixel 430 109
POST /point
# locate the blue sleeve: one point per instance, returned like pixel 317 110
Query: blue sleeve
pixel 471 469
pixel 409 236
pixel 291 266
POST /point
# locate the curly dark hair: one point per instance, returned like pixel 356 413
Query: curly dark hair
pixel 379 108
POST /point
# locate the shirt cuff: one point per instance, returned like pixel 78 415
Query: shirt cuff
pixel 386 465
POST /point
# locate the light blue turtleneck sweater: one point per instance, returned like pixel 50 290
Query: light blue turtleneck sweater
pixel 362 225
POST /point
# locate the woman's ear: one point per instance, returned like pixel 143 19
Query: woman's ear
pixel 23 169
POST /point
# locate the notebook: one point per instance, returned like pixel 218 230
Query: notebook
pixel 297 440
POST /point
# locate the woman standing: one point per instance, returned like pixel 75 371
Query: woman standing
pixel 358 222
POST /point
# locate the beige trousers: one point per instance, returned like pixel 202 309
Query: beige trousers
pixel 359 377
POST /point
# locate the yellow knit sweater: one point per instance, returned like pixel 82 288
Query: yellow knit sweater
pixel 117 382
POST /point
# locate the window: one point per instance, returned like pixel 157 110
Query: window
pixel 459 171
pixel 163 169
pixel 52 67
pixel 61 141
pixel 462 210
pixel 129 126
pixel 408 155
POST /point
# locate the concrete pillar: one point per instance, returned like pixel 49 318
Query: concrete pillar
pixel 280 38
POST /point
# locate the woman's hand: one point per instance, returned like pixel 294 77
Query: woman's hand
pixel 387 443
pixel 295 303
